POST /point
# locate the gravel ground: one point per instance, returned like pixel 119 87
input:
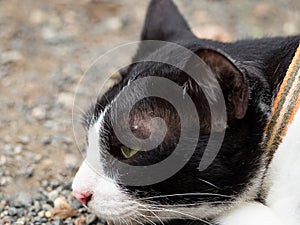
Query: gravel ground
pixel 45 47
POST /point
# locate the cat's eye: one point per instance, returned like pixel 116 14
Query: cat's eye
pixel 128 152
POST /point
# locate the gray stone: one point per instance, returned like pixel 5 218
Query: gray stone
pixel 57 222
pixel 46 207
pixel 37 206
pixel 20 212
pixel 20 221
pixel 29 172
pixel 76 204
pixel 12 211
pixel 54 184
pixel 37 220
pixel 53 195
pixel 7 219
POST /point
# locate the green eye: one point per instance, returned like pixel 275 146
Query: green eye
pixel 128 152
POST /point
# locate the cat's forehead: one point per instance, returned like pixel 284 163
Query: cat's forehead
pixel 136 71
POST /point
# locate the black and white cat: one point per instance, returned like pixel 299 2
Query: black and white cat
pixel 233 189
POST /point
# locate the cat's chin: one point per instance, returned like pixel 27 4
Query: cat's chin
pixel 132 218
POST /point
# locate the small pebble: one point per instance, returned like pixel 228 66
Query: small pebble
pixel 37 158
pixel 48 214
pixel 39 113
pixel 54 184
pixel 44 183
pixel 80 221
pixel 71 161
pixel 20 221
pixel 46 207
pixel 53 195
pixel 5 180
pixel 47 140
pixel 29 172
pixel 57 222
pixel 76 204
pixel 90 219
pixel 62 209
pixel 24 139
pixel 18 149
pixel 41 213
pixel 37 206
pixel 11 57
pixel 66 99
pixel 12 211
pixel 20 212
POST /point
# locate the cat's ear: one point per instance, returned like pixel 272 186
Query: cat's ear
pixel 164 22
pixel 232 80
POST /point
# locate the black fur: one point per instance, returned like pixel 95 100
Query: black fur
pixel 258 65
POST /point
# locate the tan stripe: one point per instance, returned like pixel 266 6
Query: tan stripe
pixel 288 119
pixel 285 107
pixel 275 124
pixel 282 99
pixel 283 111
pixel 281 95
pixel 290 71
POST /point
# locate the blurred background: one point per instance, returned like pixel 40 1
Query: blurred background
pixel 46 46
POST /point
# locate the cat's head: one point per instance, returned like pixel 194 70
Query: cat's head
pixel 120 180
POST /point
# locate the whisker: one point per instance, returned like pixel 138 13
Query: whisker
pixel 188 194
pixel 145 217
pixel 124 221
pixel 184 214
pixel 211 184
pixel 156 216
pixel 194 204
pixel 136 221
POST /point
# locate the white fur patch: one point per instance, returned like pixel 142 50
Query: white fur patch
pixel 282 186
pixel 252 213
pixel 284 176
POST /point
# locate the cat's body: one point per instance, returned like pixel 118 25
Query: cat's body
pixel 250 73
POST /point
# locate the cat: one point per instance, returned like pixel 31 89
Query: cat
pixel 229 190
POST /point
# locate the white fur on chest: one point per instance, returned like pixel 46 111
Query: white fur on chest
pixel 283 188
pixel 284 176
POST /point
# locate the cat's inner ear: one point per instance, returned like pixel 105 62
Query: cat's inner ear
pixel 232 81
pixel 164 22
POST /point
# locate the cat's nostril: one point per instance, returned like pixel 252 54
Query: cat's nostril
pixel 84 198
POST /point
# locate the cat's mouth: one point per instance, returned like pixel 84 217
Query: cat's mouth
pixel 117 213
pixel 123 222
pixel 133 218
pixel 127 218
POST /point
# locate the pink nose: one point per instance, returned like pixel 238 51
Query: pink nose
pixel 84 198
